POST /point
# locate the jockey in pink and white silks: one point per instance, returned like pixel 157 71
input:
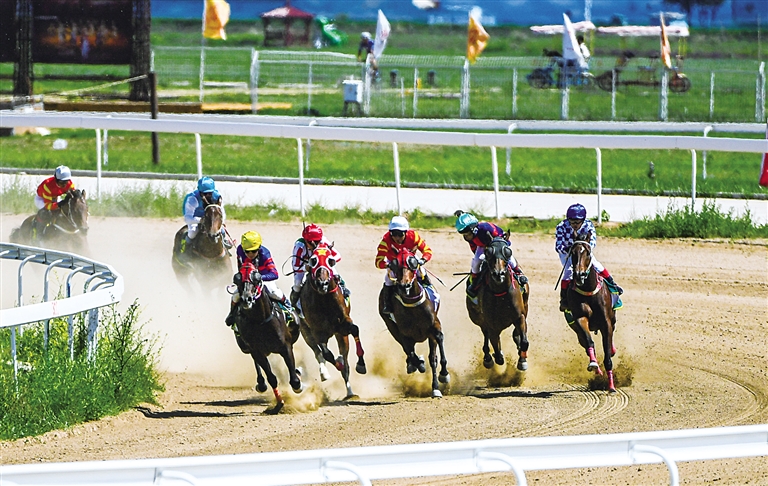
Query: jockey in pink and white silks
pixel 577 224
pixel 311 237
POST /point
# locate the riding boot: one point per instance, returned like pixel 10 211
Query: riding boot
pixel 563 299
pixel 520 276
pixel 613 286
pixel 389 292
pixel 230 319
pixel 294 297
pixel 473 285
pixel 344 290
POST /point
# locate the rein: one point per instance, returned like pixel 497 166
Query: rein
pixel 421 298
pixel 69 218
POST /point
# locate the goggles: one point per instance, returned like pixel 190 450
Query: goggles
pixel 397 233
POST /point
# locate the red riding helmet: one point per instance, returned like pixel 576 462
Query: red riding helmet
pixel 312 233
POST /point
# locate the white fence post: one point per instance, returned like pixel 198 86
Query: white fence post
pixel 464 104
pixel 711 94
pixel 402 96
pixel 510 129
pixel 599 156
pixel 760 94
pixel 309 146
pixel 707 129
pixel 301 177
pixel 663 97
pixel 98 164
pixel 309 91
pixel 254 81
pixel 564 93
pixel 199 155
pixel 415 90
pixel 396 157
pixel 693 179
pixel 613 94
pixel 202 72
pixel 495 167
pixel 514 92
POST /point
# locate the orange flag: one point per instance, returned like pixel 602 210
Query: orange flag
pixel 666 52
pixel 216 17
pixel 764 166
pixel 477 39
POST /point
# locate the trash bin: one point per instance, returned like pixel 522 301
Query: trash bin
pixel 353 90
pixel 393 78
pixel 431 78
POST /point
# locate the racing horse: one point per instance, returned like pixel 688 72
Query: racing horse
pixel 325 313
pixel 589 301
pixel 261 330
pixel 501 303
pixel 414 319
pixel 68 227
pixel 206 255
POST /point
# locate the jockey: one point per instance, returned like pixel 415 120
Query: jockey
pixel 400 235
pixel 48 193
pixel 479 235
pixel 577 224
pixel 194 208
pixel 251 251
pixel 311 237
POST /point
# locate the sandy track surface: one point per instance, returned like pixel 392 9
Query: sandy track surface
pixel 692 352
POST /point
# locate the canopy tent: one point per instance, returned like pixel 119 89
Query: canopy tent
pixel 285 17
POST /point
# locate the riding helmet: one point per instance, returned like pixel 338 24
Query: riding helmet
pixel 366 35
pixel 576 211
pixel 466 222
pixel 399 223
pixel 62 173
pixel 250 241
pixel 206 184
pixel 312 233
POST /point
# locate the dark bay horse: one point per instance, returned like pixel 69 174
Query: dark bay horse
pixel 261 331
pixel 68 228
pixel 501 303
pixel 207 255
pixel 325 313
pixel 590 303
pixel 415 319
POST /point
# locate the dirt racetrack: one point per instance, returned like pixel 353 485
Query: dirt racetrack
pixel 692 345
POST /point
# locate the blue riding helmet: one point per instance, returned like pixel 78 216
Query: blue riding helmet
pixel 576 211
pixel 206 184
pixel 466 222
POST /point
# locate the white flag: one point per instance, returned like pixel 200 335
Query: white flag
pixel 382 34
pixel 571 49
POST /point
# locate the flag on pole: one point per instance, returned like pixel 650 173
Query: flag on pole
pixel 764 166
pixel 666 52
pixel 477 37
pixel 215 17
pixel 382 34
pixel 571 48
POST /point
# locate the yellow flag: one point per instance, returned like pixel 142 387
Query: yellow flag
pixel 665 50
pixel 477 39
pixel 216 17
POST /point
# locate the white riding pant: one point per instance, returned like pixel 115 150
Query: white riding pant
pixel 192 229
pixel 568 273
pixel 480 256
pixel 298 280
pixel 39 202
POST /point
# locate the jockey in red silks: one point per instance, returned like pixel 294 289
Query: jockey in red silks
pixel 479 235
pixel 311 237
pixel 48 193
pixel 253 256
pixel 400 235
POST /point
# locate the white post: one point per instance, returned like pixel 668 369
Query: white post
pixel 564 103
pixel 664 100
pixel 514 92
pixel 760 94
pixel 199 151
pixel 707 129
pixel 613 94
pixel 105 146
pixel 711 94
pixel 396 156
pixel 301 177
pixel 415 90
pixel 693 179
pixel 367 87
pixel 510 129
pixel 495 167
pixel 202 71
pixel 309 146
pixel 98 164
pixel 464 103
pixel 309 91
pixel 599 156
pixel 402 95
pixel 588 10
pixel 254 81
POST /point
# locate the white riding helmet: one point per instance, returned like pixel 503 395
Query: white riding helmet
pixel 62 173
pixel 366 35
pixel 399 223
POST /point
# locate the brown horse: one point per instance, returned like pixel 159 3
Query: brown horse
pixel 207 254
pixel 501 303
pixel 261 330
pixel 68 227
pixel 325 313
pixel 590 303
pixel 414 319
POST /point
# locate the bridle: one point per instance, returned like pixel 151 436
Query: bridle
pixel 408 260
pixel 67 213
pixel 214 235
pixel 580 277
pixel 322 259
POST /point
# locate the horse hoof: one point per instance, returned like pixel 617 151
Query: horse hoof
pixel 360 368
pixel 299 389
pixel 261 387
pixel 436 394
pixel 611 391
pixel 422 366
pixel 522 365
pixel 446 378
pixel 410 368
pixel 499 358
pixel 274 411
pixel 324 372
pixel 592 366
pixel 488 363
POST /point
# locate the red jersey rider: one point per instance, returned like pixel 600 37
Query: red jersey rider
pixel 400 235
pixel 311 237
pixel 48 193
pixel 479 235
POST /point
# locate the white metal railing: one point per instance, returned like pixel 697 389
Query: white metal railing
pixel 103 286
pixel 364 464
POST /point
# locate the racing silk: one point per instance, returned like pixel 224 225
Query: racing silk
pixel 301 254
pixel 485 233
pixel 366 45
pixel 564 235
pixel 388 249
pixel 194 206
pixel 263 263
pixel 50 192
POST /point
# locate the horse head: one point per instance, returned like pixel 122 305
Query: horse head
pixel 321 265
pixel 405 266
pixel 253 286
pixel 74 209
pixel 212 221
pixel 497 256
pixel 581 258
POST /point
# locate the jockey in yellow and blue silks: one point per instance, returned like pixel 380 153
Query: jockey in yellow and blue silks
pixel 479 235
pixel 194 206
pixel 577 224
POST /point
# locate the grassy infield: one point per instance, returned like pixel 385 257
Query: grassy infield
pixel 56 392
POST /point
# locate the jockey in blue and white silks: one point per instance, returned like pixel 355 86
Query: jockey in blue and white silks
pixel 196 201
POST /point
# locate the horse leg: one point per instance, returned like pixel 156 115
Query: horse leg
pixel 498 354
pixel 342 362
pixel 520 335
pixel 355 332
pixel 290 362
pixel 588 344
pixel 312 343
pixel 263 362
pixel 261 385
pixel 444 377
pixel 433 365
pixel 608 350
pixel 487 360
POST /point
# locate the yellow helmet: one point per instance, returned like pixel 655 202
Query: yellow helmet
pixel 250 241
